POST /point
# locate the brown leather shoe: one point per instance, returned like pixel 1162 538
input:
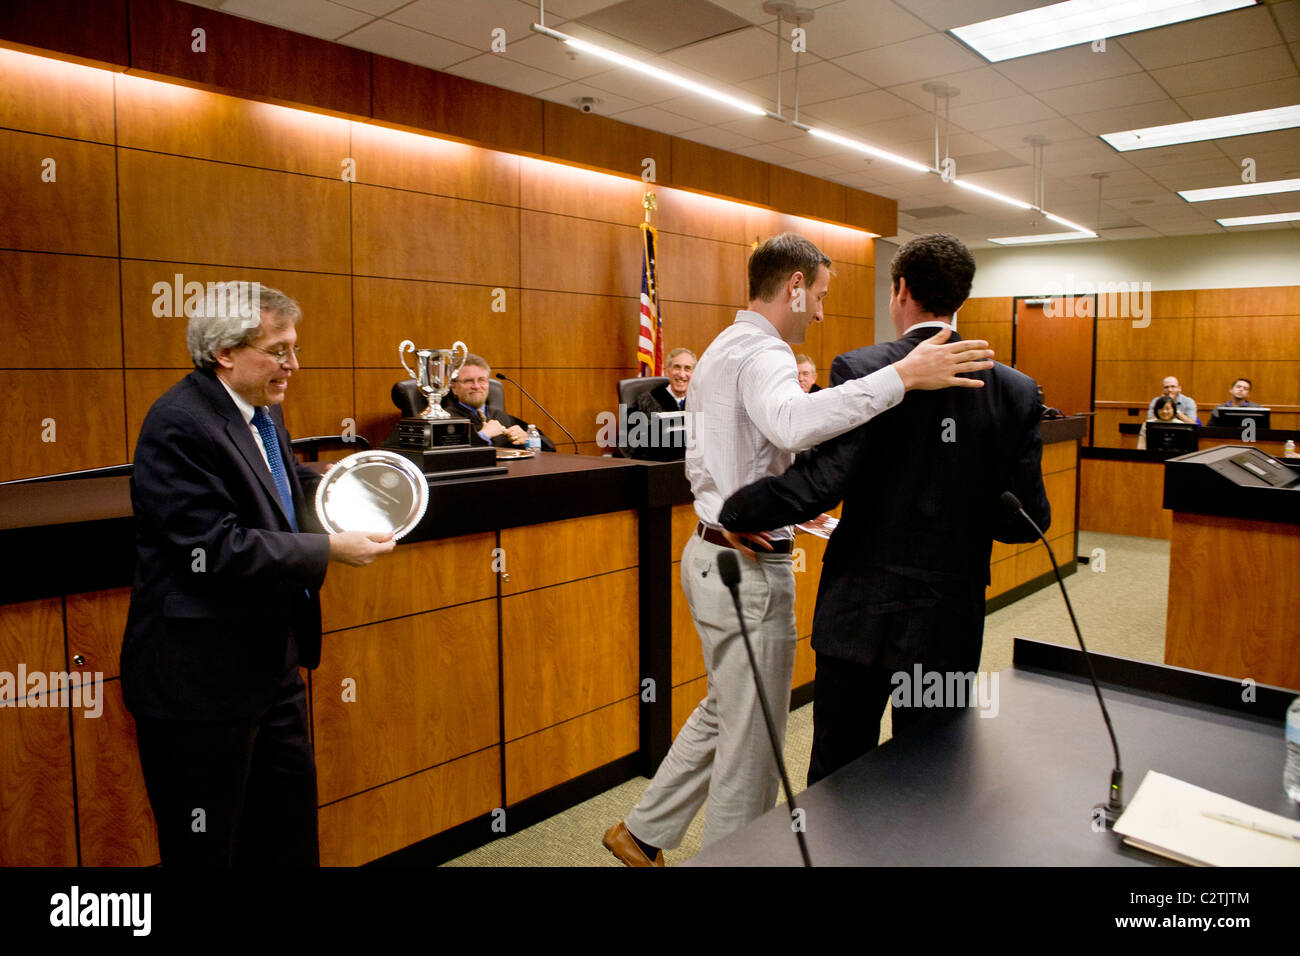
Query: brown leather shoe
pixel 619 842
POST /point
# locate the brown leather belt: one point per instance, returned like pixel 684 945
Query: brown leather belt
pixel 714 536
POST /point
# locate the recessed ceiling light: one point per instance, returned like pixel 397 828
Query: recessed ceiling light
pixel 1080 21
pixel 1258 220
pixel 1217 127
pixel 1245 189
pixel 1042 237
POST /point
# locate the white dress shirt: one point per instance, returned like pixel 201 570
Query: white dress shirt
pixel 248 411
pixel 751 416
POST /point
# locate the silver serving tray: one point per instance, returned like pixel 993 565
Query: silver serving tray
pixel 376 491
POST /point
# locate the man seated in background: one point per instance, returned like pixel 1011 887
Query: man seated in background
pixel 1184 407
pixel 663 440
pixel 468 398
pixel 807 373
pixel 1238 397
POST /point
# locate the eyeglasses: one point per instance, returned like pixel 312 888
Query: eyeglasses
pixel 281 355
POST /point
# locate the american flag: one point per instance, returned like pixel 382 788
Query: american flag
pixel 650 344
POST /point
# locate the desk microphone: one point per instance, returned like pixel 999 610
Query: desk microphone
pixel 507 378
pixel 729 569
pixel 1114 805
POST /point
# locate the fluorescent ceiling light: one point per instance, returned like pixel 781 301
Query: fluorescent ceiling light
pixel 1245 189
pixel 1218 127
pixel 1067 224
pixel 618 59
pixel 1080 21
pixel 991 194
pixel 865 148
pixel 1042 237
pixel 1258 220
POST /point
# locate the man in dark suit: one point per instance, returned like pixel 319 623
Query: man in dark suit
pixel 468 398
pixel 904 574
pixel 663 441
pixel 224 605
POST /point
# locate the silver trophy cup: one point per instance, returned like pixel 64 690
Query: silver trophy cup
pixel 436 368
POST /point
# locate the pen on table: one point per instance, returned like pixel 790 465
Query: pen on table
pixel 1247 824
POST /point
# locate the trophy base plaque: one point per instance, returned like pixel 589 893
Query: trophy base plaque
pixel 440 448
pixel 417 433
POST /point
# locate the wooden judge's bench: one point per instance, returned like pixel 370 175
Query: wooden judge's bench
pixel 525 648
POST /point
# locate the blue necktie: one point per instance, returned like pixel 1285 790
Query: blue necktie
pixel 266 428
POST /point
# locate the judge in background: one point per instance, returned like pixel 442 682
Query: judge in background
pixel 904 574
pixel 666 443
pixel 468 398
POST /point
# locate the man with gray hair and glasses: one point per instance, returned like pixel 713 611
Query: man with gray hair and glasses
pixel 225 605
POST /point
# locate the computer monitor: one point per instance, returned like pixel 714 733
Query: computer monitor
pixel 1235 417
pixel 1171 438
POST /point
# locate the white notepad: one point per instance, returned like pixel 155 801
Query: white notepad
pixel 1167 816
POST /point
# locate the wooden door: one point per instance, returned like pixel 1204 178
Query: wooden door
pixel 1053 344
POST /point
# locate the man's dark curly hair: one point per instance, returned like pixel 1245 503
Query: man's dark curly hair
pixel 772 264
pixel 938 269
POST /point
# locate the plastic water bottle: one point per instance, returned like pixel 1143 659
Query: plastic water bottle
pixel 1291 773
pixel 535 445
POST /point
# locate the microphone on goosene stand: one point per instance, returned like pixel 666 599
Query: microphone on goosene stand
pixel 507 378
pixel 729 569
pixel 1114 805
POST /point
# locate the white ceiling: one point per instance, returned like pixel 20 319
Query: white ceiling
pixel 862 76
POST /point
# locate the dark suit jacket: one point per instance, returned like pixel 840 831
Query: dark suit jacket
pixel 904 574
pixel 656 401
pixel 477 419
pixel 225 599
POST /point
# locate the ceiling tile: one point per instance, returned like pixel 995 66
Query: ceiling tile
pixel 973 86
pixel 733 57
pixel 1104 94
pixel 376 8
pixel 761 129
pixel 1009 111
pixel 1156 113
pixel 1243 99
pixel 944 14
pixel 1225 72
pixel 1012 138
pixel 848 26
pixel 1132 232
pixel 921 58
pixel 861 108
pixel 568 94
pixel 1068 67
pixel 1288 18
pixel 468 23
pixel 495 70
pixel 721 138
pixel 316 18
pixel 817 82
pixel 705 112
pixel 769 153
pixel 1283 140
pixel 652 117
pixel 543 53
pixel 403 43
pixel 1209 37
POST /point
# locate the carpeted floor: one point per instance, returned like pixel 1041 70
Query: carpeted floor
pixel 1121 610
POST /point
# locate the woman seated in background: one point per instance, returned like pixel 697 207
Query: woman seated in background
pixel 1164 412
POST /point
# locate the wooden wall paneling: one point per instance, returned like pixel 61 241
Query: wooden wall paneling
pixel 569 650
pixel 406 235
pixel 96 622
pixel 594 140
pixel 593 331
pixel 841 334
pixel 581 193
pixel 807 575
pixel 116 823
pixel 686 698
pixel 805 663
pixel 873 213
pixel 576 397
pixel 93 32
pixel 374 409
pixel 183 121
pixel 849 245
pixel 1275 383
pixel 55 98
pixel 420 576
pixel 423 99
pixel 1034 562
pixel 143 388
pixel 688 653
pixel 683 213
pixel 158 341
pixel 852 291
pixel 565 254
pixel 1105 427
pixel 1221 624
pixel 1272 300
pixel 319 402
pixel 997 334
pixel 815 197
pixel 248 58
pixel 693 325
pixel 1123 497
pixel 440 701
pixel 37 827
pixel 986 309
pixel 81 409
pixel 1137 381
pixel 1058 456
pixel 1243 337
pixel 192 210
pixel 1057 352
pixel 74 212
pixel 552 756
pixel 427 164
pixel 813 347
pixel 684 521
pixel 388 818
pixel 1060 486
pixel 60 311
pixel 705 169
pixel 433 315
pixel 760 224
pixel 1164 340
pixel 541 555
pixel 1177 303
pixel 1002 576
